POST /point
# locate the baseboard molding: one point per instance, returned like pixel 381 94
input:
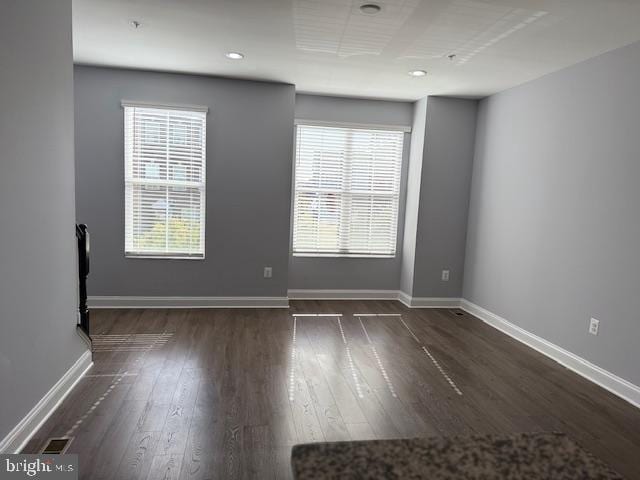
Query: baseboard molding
pixel 187 302
pixel 407 300
pixel 428 302
pixel 404 298
pixel 607 380
pixel 17 438
pixel 97 302
pixel 343 294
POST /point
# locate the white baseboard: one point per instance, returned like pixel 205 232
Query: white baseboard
pixel 17 438
pixel 407 300
pixel 404 298
pixel 97 302
pixel 188 302
pixel 607 380
pixel 428 302
pixel 343 294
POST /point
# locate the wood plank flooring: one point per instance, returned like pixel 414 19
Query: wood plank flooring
pixel 224 394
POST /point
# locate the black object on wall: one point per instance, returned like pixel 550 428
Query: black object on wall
pixel 82 234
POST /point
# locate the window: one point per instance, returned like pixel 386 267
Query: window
pixel 347 189
pixel 165 164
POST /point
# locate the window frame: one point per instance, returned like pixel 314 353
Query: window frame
pixel 202 189
pixel 400 203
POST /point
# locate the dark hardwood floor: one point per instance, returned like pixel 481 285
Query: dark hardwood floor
pixel 223 394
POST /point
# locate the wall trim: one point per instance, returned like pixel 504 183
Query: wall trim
pixel 312 294
pixel 370 126
pixel 97 302
pixel 404 298
pixel 17 438
pixel 605 379
pixel 187 302
pixel 168 106
pixel 428 302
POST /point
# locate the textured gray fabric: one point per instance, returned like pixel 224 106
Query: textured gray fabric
pixel 517 457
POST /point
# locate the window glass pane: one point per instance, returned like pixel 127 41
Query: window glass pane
pixel 347 188
pixel 165 163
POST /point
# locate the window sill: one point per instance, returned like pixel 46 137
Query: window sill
pixel 341 255
pixel 164 257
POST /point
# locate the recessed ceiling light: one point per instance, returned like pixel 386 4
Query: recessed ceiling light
pixel 417 73
pixel 370 8
pixel 135 23
pixel 234 55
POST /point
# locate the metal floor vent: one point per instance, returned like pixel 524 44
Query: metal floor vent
pixel 129 342
pixel 57 446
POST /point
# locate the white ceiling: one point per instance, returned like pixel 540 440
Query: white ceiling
pixel 330 47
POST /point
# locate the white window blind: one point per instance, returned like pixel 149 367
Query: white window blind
pixel 165 164
pixel 347 190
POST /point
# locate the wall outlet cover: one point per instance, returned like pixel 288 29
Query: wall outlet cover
pixel 268 272
pixel 445 275
pixel 594 325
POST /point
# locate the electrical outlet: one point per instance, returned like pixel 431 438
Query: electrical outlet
pixel 594 325
pixel 268 272
pixel 445 275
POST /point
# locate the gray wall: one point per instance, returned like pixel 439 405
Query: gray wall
pixel 249 151
pixel 412 203
pixel 38 286
pixel 440 169
pixel 444 196
pixel 554 225
pixel 341 272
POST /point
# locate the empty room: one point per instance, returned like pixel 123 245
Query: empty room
pixel 320 239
